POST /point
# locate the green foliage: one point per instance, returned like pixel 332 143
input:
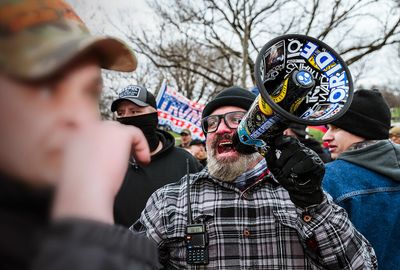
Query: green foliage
pixel 176 136
pixel 395 114
pixel 315 134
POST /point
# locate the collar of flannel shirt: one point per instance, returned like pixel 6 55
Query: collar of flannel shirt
pixel 248 178
pixel 256 174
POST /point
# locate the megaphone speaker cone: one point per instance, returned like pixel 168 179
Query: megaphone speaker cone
pixel 300 80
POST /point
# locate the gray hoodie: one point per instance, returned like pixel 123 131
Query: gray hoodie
pixel 382 157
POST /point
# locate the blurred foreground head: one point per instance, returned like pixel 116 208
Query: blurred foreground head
pixel 50 84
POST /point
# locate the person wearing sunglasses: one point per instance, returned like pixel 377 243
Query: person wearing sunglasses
pixel 255 216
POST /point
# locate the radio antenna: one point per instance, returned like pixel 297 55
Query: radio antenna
pixel 189 209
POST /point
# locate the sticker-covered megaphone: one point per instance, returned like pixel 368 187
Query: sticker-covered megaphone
pixel 300 80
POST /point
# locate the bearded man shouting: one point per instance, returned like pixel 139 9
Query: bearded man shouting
pixel 250 215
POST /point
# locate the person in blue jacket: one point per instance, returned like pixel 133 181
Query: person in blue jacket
pixel 365 176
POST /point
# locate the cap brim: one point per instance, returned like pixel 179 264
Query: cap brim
pixel 112 54
pixel 115 103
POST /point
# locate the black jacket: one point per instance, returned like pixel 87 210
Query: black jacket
pixel 29 241
pixel 167 166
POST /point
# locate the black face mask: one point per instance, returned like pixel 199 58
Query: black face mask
pixel 147 123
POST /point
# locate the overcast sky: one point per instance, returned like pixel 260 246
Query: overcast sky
pixel 381 69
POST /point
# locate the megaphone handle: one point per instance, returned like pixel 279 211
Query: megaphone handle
pixel 298 169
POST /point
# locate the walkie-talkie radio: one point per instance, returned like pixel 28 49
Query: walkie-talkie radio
pixel 196 234
pixel 196 244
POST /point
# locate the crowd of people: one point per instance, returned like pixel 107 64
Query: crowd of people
pixel 77 192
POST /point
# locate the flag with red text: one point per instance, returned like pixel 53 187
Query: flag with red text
pixel 178 112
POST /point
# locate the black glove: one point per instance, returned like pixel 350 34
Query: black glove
pixel 298 169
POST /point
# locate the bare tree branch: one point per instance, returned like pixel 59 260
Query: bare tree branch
pixel 207 45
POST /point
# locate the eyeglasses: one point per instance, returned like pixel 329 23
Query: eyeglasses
pixel 211 123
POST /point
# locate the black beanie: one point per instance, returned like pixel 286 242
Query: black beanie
pixel 368 116
pixel 233 96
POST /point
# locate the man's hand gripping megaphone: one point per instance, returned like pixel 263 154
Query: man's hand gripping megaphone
pixel 297 168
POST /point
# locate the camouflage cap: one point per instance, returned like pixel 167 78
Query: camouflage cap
pixel 39 36
pixel 185 131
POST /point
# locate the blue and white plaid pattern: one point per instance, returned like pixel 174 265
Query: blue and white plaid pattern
pixel 259 228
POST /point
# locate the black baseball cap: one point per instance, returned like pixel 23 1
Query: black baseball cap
pixel 137 94
pixel 197 142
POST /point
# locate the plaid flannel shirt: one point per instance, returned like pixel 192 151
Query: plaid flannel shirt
pixel 258 228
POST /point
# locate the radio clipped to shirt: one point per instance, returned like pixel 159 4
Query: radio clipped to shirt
pixel 196 244
pixel 196 234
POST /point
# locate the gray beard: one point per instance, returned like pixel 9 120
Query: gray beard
pixel 227 170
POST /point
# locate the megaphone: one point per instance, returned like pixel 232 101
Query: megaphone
pixel 300 80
